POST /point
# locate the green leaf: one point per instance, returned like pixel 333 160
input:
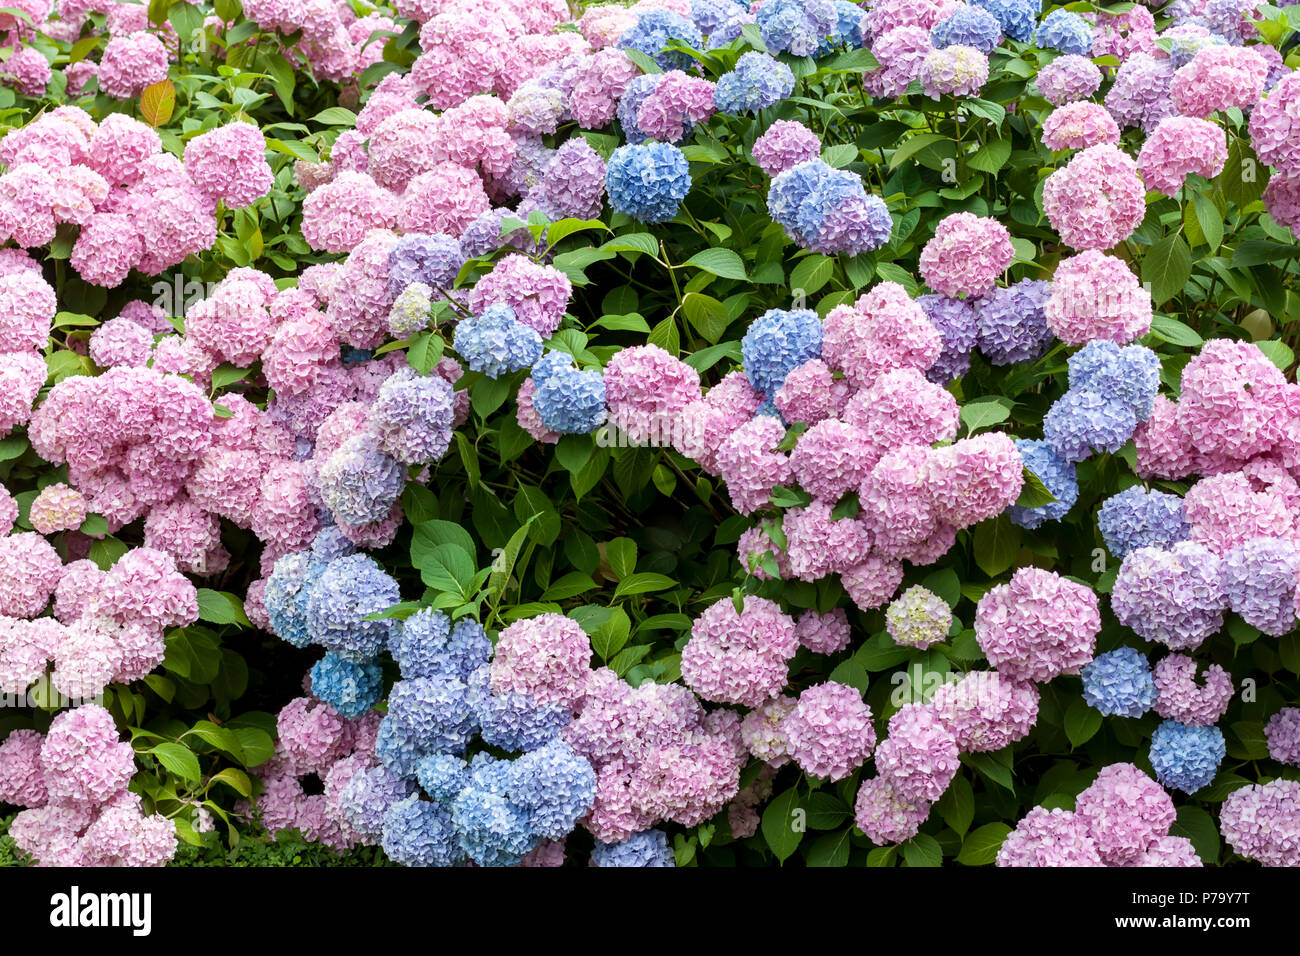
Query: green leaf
pixel 221 607
pixel 431 533
pixel 612 635
pixel 621 553
pixel 1034 493
pixel 1198 826
pixel 1082 721
pixel 13 447
pixel 336 116
pixel 504 564
pixel 1171 330
pixel 533 502
pixel 643 582
pixel 633 242
pixel 448 568
pixel 922 850
pixel 832 849
pixel 914 146
pixel 957 806
pixel 1244 177
pixel 991 157
pixel 227 374
pixel 572 584
pixel 826 811
pixel 811 274
pixel 781 826
pixel 177 759
pixel 984 413
pixel 721 262
pixel 1279 353
pixel 706 314
pixel 1208 218
pixel 840 156
pixel 1166 268
pixel 981 847
pixel 234 778
pixel 996 544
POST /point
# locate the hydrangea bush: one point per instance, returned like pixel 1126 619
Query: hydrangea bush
pixel 681 433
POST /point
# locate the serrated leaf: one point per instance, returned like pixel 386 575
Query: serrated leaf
pixel 781 826
pixel 721 262
pixel 177 759
pixel 996 544
pixel 1082 721
pixel 1166 268
pixel 981 847
pixel 157 102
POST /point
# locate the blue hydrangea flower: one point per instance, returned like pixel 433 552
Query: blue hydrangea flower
pixel 1259 580
pixel 652 32
pixel 1018 17
pixel 1186 758
pixel 796 26
pixel 435 713
pixel 433 260
pixel 828 210
pixel 1056 475
pixel 514 721
pixel 420 833
pixel 711 14
pixel 1080 422
pixel 1137 518
pixel 1120 683
pixel 368 796
pixel 351 687
pixel 555 786
pixel 954 319
pixel 730 31
pixel 847 32
pixel 397 750
pixel 968 26
pixel 360 482
pixel 286 595
pixel 776 343
pixel 1012 322
pixel 496 343
pixel 330 543
pixel 442 776
pixel 647 848
pixel 1130 374
pixel 757 82
pixel 568 400
pixel 493 830
pixel 347 591
pixel 411 417
pixel 648 182
pixel 1065 31
pixel 427 645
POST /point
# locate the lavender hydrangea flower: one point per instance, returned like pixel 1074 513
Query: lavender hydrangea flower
pixel 1138 518
pixel 1012 322
pixel 433 260
pixel 1081 422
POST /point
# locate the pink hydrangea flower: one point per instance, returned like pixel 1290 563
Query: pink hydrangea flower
pixel 739 657
pixel 1095 296
pixel 1038 626
pixel 1181 145
pixel 829 732
pixel 1096 200
pixel 966 255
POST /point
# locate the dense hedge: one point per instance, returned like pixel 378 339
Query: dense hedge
pixel 677 434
